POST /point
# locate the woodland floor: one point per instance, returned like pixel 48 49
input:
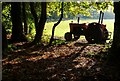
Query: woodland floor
pixel 74 61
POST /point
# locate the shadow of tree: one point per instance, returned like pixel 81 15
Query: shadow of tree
pixel 71 67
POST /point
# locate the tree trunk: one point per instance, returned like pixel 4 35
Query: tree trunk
pixel 17 29
pixel 116 37
pixel 24 18
pixel 115 49
pixel 39 25
pixel 4 39
pixel 34 15
pixel 55 25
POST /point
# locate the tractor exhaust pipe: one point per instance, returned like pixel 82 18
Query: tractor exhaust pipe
pixel 100 17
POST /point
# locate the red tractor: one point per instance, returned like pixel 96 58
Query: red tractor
pixel 94 32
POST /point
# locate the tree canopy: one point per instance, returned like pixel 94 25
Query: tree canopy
pixel 75 8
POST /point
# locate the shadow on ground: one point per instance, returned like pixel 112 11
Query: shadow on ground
pixel 74 61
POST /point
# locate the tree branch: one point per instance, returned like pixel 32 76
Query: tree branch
pixel 53 29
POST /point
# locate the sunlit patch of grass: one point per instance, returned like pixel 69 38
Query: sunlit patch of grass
pixel 60 30
pixel 58 42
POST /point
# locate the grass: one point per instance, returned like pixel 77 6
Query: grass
pixel 63 27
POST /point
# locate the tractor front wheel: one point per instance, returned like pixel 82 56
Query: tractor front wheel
pixel 68 36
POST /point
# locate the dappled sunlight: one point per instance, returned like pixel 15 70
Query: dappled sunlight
pixel 72 61
pixel 34 52
pixel 34 58
pixel 14 61
pixel 11 62
pixel 84 62
pixel 19 50
pixel 94 49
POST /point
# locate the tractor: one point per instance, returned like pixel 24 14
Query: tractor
pixel 94 32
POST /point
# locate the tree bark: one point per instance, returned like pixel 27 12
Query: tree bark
pixel 115 49
pixel 116 37
pixel 4 39
pixel 34 15
pixel 24 18
pixel 55 25
pixel 39 25
pixel 17 29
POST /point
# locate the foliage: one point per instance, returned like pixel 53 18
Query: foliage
pixel 6 17
pixel 72 9
pixel 11 47
pixel 102 5
pixel 45 38
pixel 58 42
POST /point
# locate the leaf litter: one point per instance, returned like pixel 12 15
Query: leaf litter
pixel 74 61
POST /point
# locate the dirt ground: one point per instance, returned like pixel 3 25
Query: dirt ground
pixel 74 61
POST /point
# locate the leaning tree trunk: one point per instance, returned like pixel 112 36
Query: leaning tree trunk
pixel 55 25
pixel 17 29
pixel 24 18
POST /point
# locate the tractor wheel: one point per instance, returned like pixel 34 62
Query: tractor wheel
pixel 76 36
pixel 68 36
pixel 90 39
pixel 94 33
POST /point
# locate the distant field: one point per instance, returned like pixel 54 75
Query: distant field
pixel 63 27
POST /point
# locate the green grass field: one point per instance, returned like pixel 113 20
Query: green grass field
pixel 63 27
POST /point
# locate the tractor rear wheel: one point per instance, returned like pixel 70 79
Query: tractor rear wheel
pixel 68 36
pixel 94 33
